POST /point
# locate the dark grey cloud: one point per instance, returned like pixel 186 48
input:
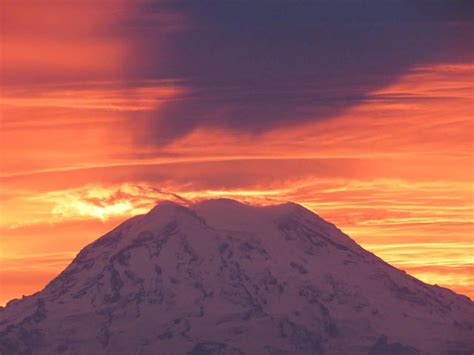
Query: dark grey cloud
pixel 251 66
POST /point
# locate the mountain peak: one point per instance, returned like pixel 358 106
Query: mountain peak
pixel 226 204
pixel 167 206
pixel 223 277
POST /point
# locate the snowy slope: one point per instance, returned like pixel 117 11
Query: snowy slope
pixel 220 277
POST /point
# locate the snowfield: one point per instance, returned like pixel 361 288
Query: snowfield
pixel 221 277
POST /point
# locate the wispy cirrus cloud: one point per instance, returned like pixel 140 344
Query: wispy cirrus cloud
pixel 108 96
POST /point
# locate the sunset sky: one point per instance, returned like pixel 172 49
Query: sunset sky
pixel 361 111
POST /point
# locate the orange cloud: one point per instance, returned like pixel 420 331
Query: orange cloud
pixel 70 42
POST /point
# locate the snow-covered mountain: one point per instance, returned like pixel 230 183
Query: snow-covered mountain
pixel 221 277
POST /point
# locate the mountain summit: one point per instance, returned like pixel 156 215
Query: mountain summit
pixel 221 277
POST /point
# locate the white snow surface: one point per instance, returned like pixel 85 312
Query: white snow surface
pixel 221 277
